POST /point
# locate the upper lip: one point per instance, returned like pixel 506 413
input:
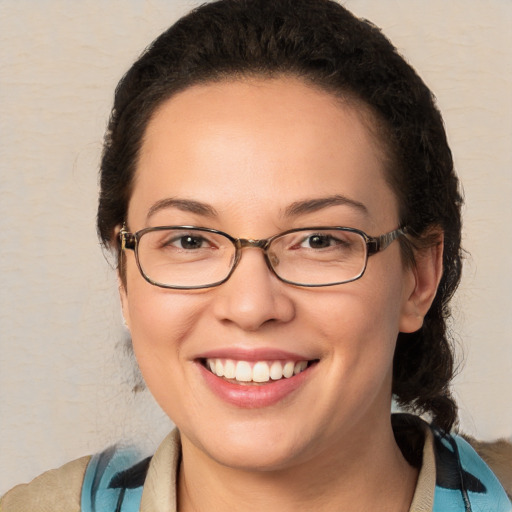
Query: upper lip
pixel 253 354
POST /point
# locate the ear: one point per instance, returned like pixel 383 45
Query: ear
pixel 425 274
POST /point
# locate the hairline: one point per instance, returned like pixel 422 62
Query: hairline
pixel 376 126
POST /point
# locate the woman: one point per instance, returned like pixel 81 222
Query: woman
pixel 278 187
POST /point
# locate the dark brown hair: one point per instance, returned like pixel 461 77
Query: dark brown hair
pixel 322 43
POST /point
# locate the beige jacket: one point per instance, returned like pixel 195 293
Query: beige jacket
pixel 59 490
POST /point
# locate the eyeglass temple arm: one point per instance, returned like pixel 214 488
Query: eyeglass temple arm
pixel 127 239
pixel 381 242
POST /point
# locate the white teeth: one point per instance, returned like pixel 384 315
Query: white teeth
pixel 288 369
pixel 219 368
pixel 243 372
pixel 229 369
pixel 299 367
pixel 276 371
pixel 259 371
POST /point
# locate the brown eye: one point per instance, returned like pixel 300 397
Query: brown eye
pixel 319 241
pixel 182 242
pixel 189 242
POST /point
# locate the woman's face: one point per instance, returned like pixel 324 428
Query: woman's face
pixel 254 158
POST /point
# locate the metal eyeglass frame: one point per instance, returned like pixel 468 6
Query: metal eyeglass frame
pixel 374 244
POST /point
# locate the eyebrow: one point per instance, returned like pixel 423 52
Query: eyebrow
pixel 313 205
pixel 294 210
pixel 186 205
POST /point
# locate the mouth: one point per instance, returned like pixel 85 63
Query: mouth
pixel 255 372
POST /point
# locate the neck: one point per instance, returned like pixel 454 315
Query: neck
pixel 367 473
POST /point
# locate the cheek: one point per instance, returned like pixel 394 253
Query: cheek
pixel 361 322
pixel 362 309
pixel 159 321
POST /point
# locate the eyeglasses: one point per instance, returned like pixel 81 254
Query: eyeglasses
pixel 190 257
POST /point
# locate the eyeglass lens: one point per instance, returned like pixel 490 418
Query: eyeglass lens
pixel 197 258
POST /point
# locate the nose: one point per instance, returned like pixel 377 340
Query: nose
pixel 253 296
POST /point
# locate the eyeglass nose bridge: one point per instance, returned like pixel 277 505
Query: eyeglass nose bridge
pixel 241 243
pixel 250 242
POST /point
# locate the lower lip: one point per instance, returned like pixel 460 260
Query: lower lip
pixel 252 396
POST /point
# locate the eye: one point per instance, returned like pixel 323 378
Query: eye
pixel 188 242
pixel 320 241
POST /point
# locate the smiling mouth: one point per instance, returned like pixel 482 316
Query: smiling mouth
pixel 255 372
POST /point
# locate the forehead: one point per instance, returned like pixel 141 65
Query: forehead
pixel 254 141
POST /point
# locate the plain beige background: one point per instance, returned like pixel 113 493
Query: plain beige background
pixel 65 379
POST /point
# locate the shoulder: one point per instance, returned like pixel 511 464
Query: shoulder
pixel 498 456
pixel 106 481
pixel 463 477
pixel 113 480
pixel 53 491
pixel 103 482
pixel 453 476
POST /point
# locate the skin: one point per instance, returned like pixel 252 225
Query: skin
pixel 249 149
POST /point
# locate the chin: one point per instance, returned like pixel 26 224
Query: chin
pixel 255 458
pixel 258 445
